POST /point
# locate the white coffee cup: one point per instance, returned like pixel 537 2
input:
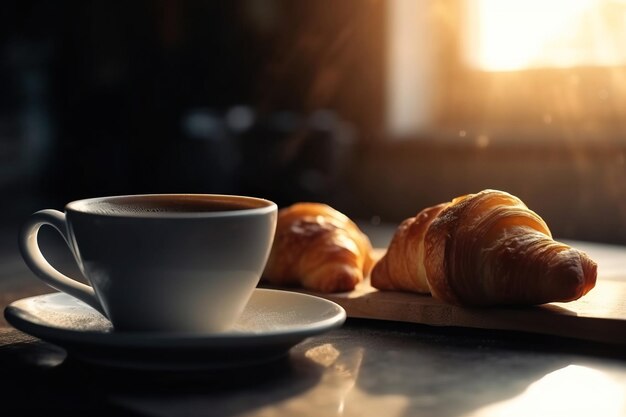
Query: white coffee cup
pixel 184 263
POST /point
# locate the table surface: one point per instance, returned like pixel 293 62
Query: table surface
pixel 367 367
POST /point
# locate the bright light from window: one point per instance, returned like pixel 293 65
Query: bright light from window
pixel 508 35
pixel 574 391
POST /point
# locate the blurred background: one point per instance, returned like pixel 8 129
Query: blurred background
pixel 379 108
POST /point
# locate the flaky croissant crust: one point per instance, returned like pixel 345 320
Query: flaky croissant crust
pixel 484 249
pixel 318 248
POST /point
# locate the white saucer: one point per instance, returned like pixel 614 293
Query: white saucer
pixel 271 324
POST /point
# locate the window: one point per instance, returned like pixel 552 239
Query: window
pixel 507 70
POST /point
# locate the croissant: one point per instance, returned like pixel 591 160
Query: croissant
pixel 483 249
pixel 318 248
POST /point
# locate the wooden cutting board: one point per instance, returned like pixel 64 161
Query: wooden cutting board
pixel 599 316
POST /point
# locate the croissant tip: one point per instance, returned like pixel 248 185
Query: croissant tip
pixel 381 284
pixel 590 273
pixel 578 278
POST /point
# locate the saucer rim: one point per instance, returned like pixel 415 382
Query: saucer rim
pixel 164 340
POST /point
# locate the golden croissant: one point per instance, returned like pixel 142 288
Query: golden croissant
pixel 483 249
pixel 318 248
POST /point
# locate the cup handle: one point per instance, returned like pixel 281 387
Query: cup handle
pixel 39 265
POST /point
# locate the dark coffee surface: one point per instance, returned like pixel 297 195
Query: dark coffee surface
pixel 138 205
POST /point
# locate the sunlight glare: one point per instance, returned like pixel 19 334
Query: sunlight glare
pixel 572 391
pixel 507 35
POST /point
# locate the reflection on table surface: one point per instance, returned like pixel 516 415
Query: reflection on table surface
pixel 365 368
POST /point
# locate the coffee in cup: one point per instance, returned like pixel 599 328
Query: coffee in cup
pixel 184 263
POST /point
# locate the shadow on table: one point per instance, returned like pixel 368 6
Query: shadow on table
pixel 37 378
pixel 366 368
